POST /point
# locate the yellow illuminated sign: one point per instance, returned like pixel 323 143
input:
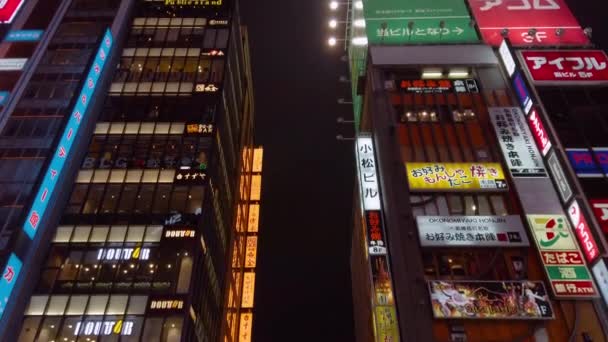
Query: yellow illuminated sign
pixel 251 251
pixel 256 187
pixel 245 327
pixel 455 176
pixel 386 324
pixel 248 290
pixel 258 155
pixel 254 218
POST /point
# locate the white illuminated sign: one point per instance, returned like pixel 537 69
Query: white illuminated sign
pixel 368 179
pixel 117 254
pixel 507 58
pixel 166 304
pixel 12 64
pixel 103 328
pixel 600 272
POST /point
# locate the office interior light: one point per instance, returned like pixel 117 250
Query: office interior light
pixel 432 73
pixel 458 73
pixel 360 41
pixel 359 23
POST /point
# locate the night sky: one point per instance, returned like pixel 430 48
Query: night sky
pixel 303 290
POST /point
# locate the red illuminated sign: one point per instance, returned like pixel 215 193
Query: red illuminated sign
pixel 567 66
pixel 519 17
pixel 8 10
pixel 583 232
pixel 600 209
pixel 539 132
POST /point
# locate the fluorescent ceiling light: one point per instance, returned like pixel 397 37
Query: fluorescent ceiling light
pixel 359 23
pixel 458 73
pixel 359 4
pixel 360 41
pixel 333 23
pixel 432 73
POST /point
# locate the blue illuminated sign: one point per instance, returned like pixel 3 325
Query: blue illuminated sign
pixel 522 92
pixel 587 163
pixel 3 97
pixel 24 36
pixel 9 278
pixel 62 153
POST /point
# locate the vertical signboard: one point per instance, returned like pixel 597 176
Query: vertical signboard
pixel 562 184
pixel 245 327
pixel 539 132
pixel 4 97
pixel 563 261
pixel 9 278
pixel 600 272
pixel 516 142
pixel 62 152
pixel 418 21
pixel 527 22
pixel 385 314
pixel 583 233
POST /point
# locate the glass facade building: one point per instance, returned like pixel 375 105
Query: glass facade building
pixel 138 239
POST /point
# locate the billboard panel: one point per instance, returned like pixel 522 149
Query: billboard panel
pixel 455 177
pixel 471 231
pixel 9 9
pixel 561 67
pixel 62 153
pixel 583 233
pixel 520 16
pixel 516 142
pixel 417 21
pixel 24 36
pixel 563 261
pixel 600 209
pixel 490 300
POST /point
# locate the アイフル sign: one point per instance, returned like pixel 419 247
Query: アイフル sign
pixel 519 17
pixel 559 67
pixel 417 21
pixel 600 209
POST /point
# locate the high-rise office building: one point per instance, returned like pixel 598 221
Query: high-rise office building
pixel 127 147
pixel 469 222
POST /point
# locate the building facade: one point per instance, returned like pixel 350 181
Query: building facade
pixel 135 127
pixel 469 223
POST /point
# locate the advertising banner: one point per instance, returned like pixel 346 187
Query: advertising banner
pixel 490 300
pixel 455 177
pixel 519 17
pixel 12 64
pixel 471 231
pixel 375 234
pixel 439 86
pixel 539 132
pixel 600 272
pixel 600 209
pixel 563 261
pixel 9 9
pixel 417 21
pixel 516 142
pixel 4 97
pixel 9 278
pixel 559 67
pixel 367 174
pixel 387 325
pixel 63 149
pixel 23 36
pixel 583 233
pixel 589 163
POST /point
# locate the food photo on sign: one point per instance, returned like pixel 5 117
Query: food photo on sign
pixel 490 300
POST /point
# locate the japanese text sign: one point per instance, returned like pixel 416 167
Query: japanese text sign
pixel 368 179
pixel 520 16
pixel 63 149
pixel 417 21
pixel 539 132
pixel 9 278
pixel 455 177
pixel 375 232
pixel 193 3
pixel 387 324
pixel 522 92
pixel 516 142
pixel 600 272
pixel 9 9
pixel 490 300
pixel 600 209
pixel 566 67
pixel 583 232
pixel 471 231
pixel 563 261
pixel 24 36
pixel 430 86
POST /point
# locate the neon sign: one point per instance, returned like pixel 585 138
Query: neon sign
pixel 104 328
pixel 115 254
pixel 54 169
pixel 8 280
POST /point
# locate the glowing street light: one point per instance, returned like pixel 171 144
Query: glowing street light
pixel 332 41
pixel 333 23
pixel 333 5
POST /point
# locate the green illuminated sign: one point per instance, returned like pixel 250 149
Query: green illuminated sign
pixel 395 22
